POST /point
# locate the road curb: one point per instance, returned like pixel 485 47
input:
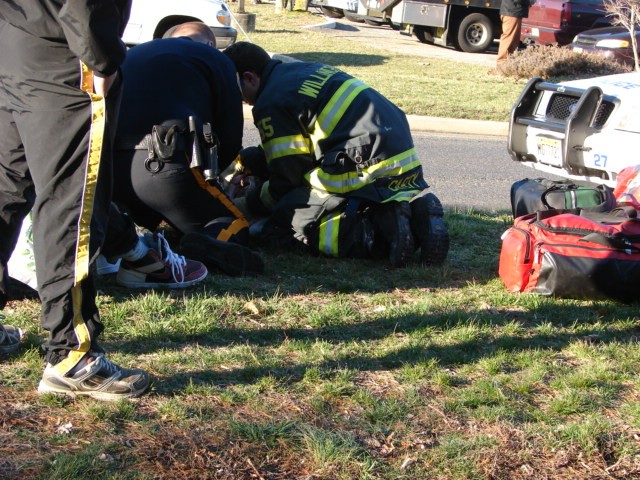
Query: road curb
pixel 463 126
pixel 419 123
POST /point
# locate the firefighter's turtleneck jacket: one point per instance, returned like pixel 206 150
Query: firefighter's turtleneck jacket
pixel 323 128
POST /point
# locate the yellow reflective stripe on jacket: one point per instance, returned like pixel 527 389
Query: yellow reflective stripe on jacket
pixel 265 196
pixel 403 196
pixel 350 181
pixel 333 111
pixel 329 229
pixel 283 146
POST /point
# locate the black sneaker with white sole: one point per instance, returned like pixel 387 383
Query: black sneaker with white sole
pixel 429 229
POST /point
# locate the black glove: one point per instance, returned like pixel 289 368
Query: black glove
pixel 254 160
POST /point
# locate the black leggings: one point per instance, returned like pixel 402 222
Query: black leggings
pixel 172 194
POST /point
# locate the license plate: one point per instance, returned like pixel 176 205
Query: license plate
pixel 549 150
pixel 578 49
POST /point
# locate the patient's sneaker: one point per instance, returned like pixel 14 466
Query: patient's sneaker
pixel 105 267
pixel 98 378
pixel 392 221
pixel 231 258
pixel 10 337
pixel 429 229
pixel 160 268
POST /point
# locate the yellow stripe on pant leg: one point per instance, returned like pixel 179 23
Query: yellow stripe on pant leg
pixel 82 254
pixel 96 138
pixel 329 233
pixel 82 335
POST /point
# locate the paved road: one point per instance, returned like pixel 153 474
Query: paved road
pixel 386 38
pixel 465 171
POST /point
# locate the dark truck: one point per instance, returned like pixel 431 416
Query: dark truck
pixel 468 25
pixel 473 25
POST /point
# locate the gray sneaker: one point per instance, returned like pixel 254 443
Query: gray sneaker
pixel 9 339
pixel 99 379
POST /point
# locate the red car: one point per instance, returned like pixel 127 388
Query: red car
pixel 610 42
pixel 558 21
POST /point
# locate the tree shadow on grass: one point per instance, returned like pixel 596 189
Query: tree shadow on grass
pixel 483 343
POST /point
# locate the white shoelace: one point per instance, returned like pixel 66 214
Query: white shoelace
pixel 177 262
pixel 106 364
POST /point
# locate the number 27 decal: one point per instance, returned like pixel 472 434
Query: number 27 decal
pixel 599 160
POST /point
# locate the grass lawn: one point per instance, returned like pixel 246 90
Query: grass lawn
pixel 338 369
pixel 418 85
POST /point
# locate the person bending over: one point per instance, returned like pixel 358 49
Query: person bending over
pixel 181 110
pixel 341 173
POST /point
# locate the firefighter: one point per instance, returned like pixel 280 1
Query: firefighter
pixel 342 171
pixel 168 81
pixel 59 91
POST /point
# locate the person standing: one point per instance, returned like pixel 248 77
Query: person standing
pixel 59 90
pixel 511 14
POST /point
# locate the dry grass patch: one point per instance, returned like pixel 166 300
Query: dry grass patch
pixel 552 62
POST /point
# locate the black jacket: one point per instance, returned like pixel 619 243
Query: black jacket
pixel 515 8
pixel 323 128
pixel 174 78
pixel 86 26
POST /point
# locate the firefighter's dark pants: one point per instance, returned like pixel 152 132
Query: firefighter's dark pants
pixel 327 224
pixel 54 138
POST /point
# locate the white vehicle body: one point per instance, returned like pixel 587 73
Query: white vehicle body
pixel 152 18
pixel 586 130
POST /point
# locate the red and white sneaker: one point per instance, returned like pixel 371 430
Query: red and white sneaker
pixel 160 268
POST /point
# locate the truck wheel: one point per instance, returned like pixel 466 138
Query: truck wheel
pixel 474 34
pixel 374 23
pixel 353 17
pixel 332 12
pixel 423 34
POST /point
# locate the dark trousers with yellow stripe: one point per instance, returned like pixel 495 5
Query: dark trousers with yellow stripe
pixel 174 194
pixel 54 141
pixel 327 224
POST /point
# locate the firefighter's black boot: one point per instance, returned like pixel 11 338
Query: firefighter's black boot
pixel 229 257
pixel 392 222
pixel 429 229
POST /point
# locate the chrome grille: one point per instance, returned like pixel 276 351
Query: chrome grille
pixel 585 42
